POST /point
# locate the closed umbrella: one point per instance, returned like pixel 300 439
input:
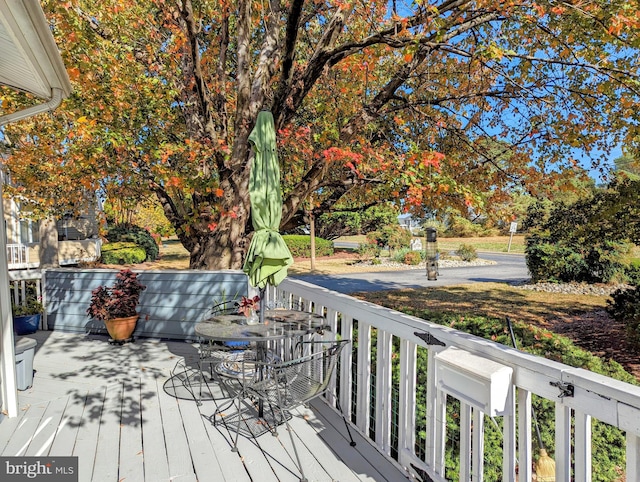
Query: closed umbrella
pixel 268 257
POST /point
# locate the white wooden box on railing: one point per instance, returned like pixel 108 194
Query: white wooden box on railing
pixel 481 383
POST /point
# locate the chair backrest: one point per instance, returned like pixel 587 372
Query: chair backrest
pixel 308 377
pixel 228 307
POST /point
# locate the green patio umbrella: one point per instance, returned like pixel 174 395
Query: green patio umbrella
pixel 268 257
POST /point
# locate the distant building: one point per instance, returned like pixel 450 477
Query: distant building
pixel 78 239
pixel 408 222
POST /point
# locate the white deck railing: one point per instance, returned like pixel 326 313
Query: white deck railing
pixel 24 284
pixel 390 411
pixel 17 256
pixel 369 396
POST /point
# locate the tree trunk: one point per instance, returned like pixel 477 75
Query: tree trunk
pixel 48 244
pixel 223 248
pixel 222 244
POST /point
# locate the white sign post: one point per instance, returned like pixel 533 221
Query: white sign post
pixel 512 229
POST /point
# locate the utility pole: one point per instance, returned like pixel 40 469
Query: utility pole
pixel 312 232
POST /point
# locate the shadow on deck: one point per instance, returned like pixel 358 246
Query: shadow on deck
pixel 109 406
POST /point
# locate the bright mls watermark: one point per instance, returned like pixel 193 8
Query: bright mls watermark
pixel 50 469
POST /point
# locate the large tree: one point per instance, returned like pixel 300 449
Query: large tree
pixel 372 100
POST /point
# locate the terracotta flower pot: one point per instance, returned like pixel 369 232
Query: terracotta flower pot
pixel 121 328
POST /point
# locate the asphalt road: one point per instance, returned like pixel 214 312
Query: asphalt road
pixel 509 268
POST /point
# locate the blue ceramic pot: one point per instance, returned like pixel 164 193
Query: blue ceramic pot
pixel 26 324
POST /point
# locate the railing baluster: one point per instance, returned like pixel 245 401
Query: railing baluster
pixel 583 447
pixel 432 399
pixel 465 441
pixel 23 292
pixel 633 456
pixel 439 423
pixel 509 440
pixel 383 391
pixel 363 377
pixel 346 362
pixel 477 441
pixel 407 402
pixel 563 443
pixel 524 436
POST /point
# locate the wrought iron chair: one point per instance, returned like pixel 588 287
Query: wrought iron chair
pixel 212 353
pixel 283 386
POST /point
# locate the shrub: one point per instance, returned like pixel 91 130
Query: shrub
pixel 412 258
pixel 368 250
pixel 632 272
pixel 392 236
pixel 460 227
pixel 552 262
pixel 137 235
pixel 624 306
pixel 467 252
pixel 300 246
pixel 123 253
pixel 560 261
pixel 399 256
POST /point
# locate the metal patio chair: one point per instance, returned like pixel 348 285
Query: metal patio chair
pixel 282 386
pixel 212 353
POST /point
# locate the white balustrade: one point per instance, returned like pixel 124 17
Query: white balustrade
pixel 579 395
pixel 17 255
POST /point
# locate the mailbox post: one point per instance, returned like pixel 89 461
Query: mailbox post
pixel 432 254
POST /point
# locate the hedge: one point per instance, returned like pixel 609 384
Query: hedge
pixel 300 246
pixel 123 253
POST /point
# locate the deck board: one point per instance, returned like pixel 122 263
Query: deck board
pixel 107 459
pixel 131 454
pixel 108 406
pixel 154 449
pixel 87 439
pixel 67 433
pixel 44 436
pixel 178 456
pixel 27 429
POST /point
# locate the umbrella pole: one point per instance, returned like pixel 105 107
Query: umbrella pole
pixel 263 306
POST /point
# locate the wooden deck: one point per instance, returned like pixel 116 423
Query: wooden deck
pixel 109 406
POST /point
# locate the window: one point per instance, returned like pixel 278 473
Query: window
pixel 29 231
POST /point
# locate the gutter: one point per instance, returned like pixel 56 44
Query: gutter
pixel 56 98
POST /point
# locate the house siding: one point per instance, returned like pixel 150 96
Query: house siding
pixel 169 308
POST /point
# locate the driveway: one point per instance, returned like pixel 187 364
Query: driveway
pixel 509 268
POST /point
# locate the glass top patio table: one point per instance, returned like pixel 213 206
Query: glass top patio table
pixel 278 324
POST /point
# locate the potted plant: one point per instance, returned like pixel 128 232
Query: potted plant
pixel 26 316
pixel 116 305
pixel 248 307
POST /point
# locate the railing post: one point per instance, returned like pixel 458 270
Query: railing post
pixel 583 447
pixel 563 443
pixel 629 421
pixel 363 378
pixel 383 391
pixel 477 441
pixel 525 472
pixel 432 393
pixel 346 367
pixel 509 438
pixel 465 441
pixel 633 456
pixel 407 402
